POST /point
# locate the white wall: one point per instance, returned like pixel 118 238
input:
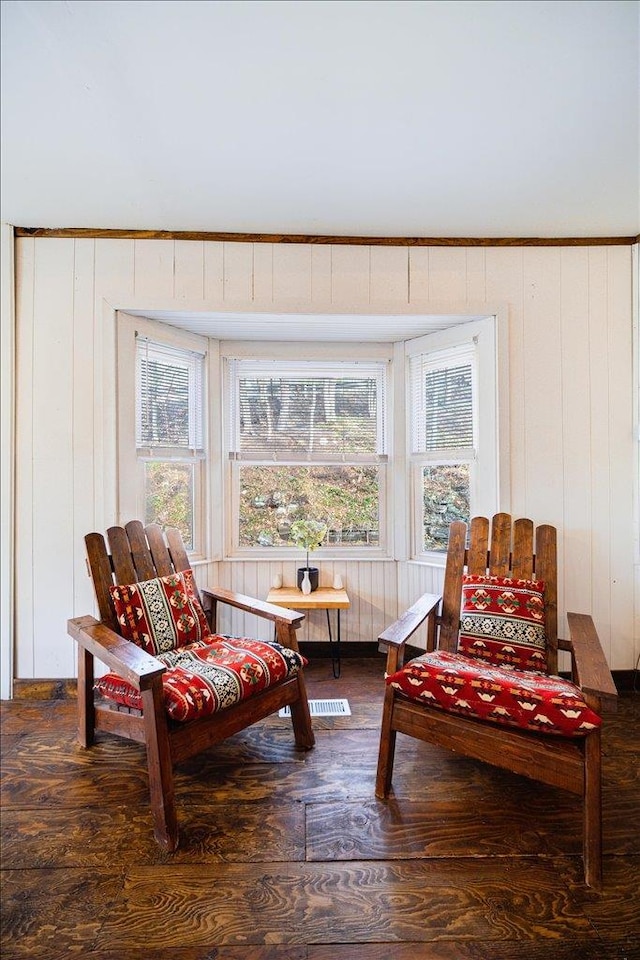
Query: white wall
pixel 571 405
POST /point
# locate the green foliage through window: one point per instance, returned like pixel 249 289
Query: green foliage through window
pixel 169 496
pixel 445 493
pixel 345 498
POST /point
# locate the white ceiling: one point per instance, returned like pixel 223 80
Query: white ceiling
pixel 323 117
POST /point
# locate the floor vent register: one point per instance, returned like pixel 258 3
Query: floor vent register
pixel 323 708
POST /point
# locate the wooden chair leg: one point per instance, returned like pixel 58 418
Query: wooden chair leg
pixel 163 802
pixel 387 751
pixel 592 836
pixel 86 709
pixel 301 718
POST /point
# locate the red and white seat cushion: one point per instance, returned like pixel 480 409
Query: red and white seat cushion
pixel 532 701
pixel 205 672
pixel 211 675
pixel 499 671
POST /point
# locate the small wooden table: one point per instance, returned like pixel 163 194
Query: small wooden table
pixel 324 598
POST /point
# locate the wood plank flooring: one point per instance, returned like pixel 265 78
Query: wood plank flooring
pixel 287 855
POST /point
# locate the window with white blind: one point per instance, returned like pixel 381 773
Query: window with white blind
pixel 163 444
pixel 452 430
pixel 307 439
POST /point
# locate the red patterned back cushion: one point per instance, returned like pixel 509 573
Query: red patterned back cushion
pixel 161 614
pixel 502 622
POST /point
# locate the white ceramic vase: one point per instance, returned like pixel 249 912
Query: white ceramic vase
pixel 305 586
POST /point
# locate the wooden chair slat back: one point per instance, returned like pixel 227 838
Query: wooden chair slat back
pixel 140 553
pixel 478 546
pixel 546 569
pixel 500 550
pixel 522 553
pixel 452 593
pixel 102 576
pixel 137 553
pixel 123 568
pixel 176 549
pixel 521 563
pixel 159 551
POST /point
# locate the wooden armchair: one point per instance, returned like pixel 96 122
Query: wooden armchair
pixel 139 689
pixel 484 695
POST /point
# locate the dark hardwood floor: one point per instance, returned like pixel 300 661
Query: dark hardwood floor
pixel 288 855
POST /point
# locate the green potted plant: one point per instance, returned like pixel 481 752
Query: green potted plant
pixel 308 535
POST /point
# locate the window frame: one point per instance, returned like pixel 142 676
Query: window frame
pixel 131 463
pixel 322 353
pixel 488 474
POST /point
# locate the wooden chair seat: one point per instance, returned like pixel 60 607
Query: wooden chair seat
pixel 138 554
pixel 545 727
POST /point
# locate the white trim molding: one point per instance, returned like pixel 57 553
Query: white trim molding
pixel 7 440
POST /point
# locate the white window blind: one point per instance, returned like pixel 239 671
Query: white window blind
pixel 307 411
pixel 169 397
pixel 442 402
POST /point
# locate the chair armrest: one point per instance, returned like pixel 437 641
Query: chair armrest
pixel 396 636
pixel 406 625
pixel 590 668
pixel 269 611
pixel 123 657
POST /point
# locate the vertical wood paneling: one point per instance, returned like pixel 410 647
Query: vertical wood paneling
pixel 114 271
pixel 575 571
pixel 238 272
pixel 52 502
pixel 24 579
pixel 600 463
pixel 292 272
pixel 383 589
pixel 365 618
pixel 543 385
pixel 620 386
pixel 504 282
pixel 419 274
pixel 448 273
pixel 189 270
pixel 247 581
pixel 213 271
pixel 389 275
pixel 84 415
pixel 7 462
pixel 154 268
pixel 321 273
pixel 114 279
pixel 476 274
pixel 414 579
pixel 263 273
pixel 350 274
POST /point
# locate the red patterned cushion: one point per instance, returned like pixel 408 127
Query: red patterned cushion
pixel 502 621
pixel 211 675
pixel 518 698
pixel 161 614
